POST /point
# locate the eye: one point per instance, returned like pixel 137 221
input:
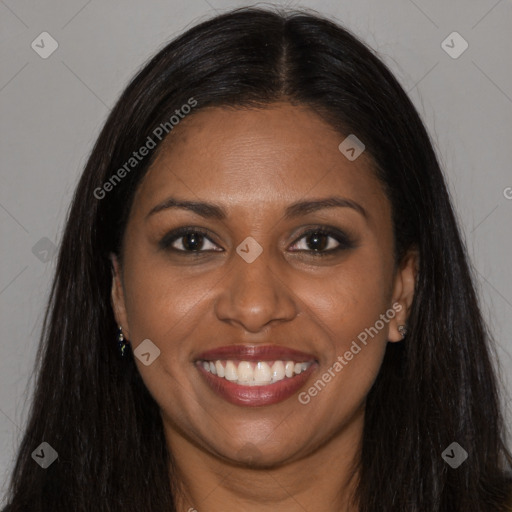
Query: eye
pixel 324 241
pixel 188 239
pixel 319 241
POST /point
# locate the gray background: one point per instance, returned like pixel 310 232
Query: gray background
pixel 51 111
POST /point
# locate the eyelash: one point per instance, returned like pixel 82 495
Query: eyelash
pixel 344 241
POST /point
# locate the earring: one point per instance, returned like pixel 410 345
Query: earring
pixel 122 344
pixel 402 329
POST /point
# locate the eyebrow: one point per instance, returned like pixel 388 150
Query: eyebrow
pixel 215 211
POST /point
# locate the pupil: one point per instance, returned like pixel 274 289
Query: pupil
pixel 192 241
pixel 319 245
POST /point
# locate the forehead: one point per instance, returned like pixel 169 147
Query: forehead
pixel 251 157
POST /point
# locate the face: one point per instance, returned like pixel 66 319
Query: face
pixel 260 281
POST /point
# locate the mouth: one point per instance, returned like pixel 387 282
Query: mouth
pixel 255 376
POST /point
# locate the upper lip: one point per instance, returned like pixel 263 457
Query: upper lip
pixel 256 353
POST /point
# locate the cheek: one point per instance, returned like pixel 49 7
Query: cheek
pixel 352 297
pixel 164 306
pixel 347 308
pixel 160 301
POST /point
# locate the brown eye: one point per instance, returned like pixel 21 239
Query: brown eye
pixel 192 240
pixel 317 241
pixel 321 241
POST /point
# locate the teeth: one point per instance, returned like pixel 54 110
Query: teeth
pixel 299 368
pixel 277 371
pixel 219 368
pixel 258 373
pixel 230 372
pixel 245 373
pixel 262 373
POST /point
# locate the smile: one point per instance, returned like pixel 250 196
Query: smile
pixel 248 376
pixel 248 373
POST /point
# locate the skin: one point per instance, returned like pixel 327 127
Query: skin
pixel 254 163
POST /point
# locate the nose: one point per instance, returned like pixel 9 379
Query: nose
pixel 254 295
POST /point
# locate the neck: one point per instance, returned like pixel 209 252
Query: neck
pixel 322 480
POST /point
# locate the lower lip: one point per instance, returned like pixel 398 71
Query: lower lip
pixel 256 396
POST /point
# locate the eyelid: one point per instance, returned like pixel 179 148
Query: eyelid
pixel 344 240
pixel 169 238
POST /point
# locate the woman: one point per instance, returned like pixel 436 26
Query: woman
pixel 262 299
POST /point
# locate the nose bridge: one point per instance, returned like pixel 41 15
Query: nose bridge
pixel 253 293
pixel 254 277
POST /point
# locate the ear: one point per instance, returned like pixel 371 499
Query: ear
pixel 403 292
pixel 117 296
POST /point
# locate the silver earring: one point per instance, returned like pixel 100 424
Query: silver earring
pixel 122 343
pixel 402 329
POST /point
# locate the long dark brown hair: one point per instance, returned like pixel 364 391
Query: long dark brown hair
pixel 438 387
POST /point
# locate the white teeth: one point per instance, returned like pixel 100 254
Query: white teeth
pixel 299 368
pixel 262 373
pixel 219 368
pixel 245 373
pixel 230 372
pixel 258 373
pixel 277 371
